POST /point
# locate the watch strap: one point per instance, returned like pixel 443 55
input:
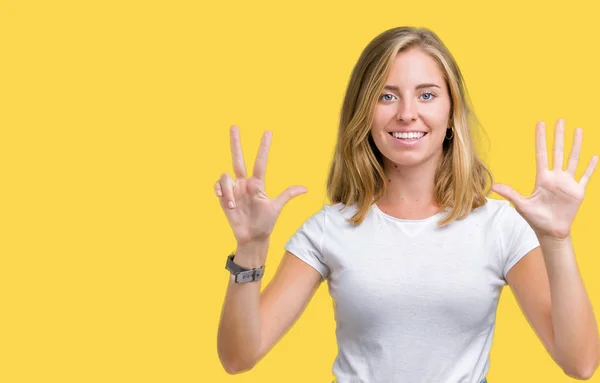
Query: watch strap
pixel 233 267
pixel 250 275
pixel 243 274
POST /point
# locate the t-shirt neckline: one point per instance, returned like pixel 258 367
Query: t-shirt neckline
pixel 408 221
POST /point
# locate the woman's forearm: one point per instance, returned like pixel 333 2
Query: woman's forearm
pixel 576 340
pixel 238 338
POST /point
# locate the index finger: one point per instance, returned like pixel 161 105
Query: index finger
pixel 559 144
pixel 541 153
pixel 239 168
pixel 260 165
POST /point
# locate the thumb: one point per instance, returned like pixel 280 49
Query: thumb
pixel 288 194
pixel 508 193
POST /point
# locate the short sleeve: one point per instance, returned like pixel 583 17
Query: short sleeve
pixel 518 238
pixel 306 242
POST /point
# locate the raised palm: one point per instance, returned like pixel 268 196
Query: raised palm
pixel 253 217
pixel 550 210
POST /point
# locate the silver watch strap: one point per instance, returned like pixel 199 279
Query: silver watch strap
pixel 242 274
pixel 250 275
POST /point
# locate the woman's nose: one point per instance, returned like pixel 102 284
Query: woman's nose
pixel 407 110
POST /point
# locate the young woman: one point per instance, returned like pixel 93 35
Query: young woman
pixel 414 252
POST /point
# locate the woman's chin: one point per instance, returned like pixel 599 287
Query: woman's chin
pixel 409 160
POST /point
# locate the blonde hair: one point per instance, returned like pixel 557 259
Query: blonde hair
pixel 356 175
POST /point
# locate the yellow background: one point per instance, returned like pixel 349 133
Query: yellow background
pixel 115 121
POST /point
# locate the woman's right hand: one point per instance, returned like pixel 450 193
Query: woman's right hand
pixel 249 210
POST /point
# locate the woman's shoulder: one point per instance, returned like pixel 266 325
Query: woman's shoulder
pixel 336 215
pixel 492 207
pixel 494 210
pixel 341 209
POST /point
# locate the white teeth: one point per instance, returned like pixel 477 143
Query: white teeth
pixel 408 135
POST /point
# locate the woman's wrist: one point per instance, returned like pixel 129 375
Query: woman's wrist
pixel 251 255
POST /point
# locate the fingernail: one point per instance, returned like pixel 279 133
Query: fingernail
pixel 231 204
pixel 219 193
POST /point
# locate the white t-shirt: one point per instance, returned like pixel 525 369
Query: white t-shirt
pixel 413 302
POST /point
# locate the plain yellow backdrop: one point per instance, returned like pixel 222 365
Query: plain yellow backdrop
pixel 115 121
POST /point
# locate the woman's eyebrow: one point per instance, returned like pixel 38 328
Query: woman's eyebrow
pixel 420 86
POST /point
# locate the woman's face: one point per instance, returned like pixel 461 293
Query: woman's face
pixel 416 104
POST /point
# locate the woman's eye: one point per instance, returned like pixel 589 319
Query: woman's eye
pixel 427 96
pixel 430 96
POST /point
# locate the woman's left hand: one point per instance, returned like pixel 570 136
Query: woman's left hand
pixel 551 208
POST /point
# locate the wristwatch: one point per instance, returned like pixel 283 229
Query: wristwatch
pixel 242 274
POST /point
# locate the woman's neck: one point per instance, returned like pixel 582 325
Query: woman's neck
pixel 410 191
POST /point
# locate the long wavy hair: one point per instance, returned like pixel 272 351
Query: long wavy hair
pixel 356 175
